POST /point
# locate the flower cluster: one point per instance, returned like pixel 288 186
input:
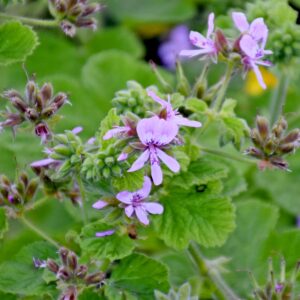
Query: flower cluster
pixel 153 137
pixel 134 204
pixel 36 107
pixel 17 193
pixel 72 14
pixel 270 145
pixel 250 45
pixel 70 273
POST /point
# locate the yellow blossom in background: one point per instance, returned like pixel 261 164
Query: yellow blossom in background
pixel 252 86
pixel 151 30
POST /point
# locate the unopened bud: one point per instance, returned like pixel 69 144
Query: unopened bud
pixel 106 172
pixel 286 148
pixel 87 23
pixel 19 104
pixel 109 161
pixel 63 274
pixel 31 188
pixel 60 100
pixel 30 91
pixel 31 114
pixel 69 294
pixel 63 150
pixel 42 131
pixel 262 126
pixel 63 253
pixel 49 111
pixel 117 171
pixel 24 178
pixel 255 137
pixel 91 9
pixel 221 42
pixel 95 278
pixel 72 261
pixel 68 28
pixel 292 137
pixel 52 266
pixel 46 92
pixel 82 271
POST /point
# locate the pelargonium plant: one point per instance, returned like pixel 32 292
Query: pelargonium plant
pixel 150 184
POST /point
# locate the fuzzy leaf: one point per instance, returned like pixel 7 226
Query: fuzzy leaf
pixel 19 276
pixel 89 294
pixel 137 275
pixel 3 222
pixel 130 181
pixel 17 41
pixel 115 246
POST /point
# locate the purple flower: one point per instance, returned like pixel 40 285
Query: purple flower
pixel 44 163
pixel 126 131
pixel 38 263
pixel 134 204
pixel 77 130
pixel 105 233
pixel 154 134
pixel 206 44
pixel 279 287
pixel 43 132
pixel 257 29
pixel 253 56
pixel 178 40
pixel 171 114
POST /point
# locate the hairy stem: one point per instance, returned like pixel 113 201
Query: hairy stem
pixel 221 289
pixel 227 155
pixel 31 21
pixel 83 200
pixel 217 104
pixel 38 231
pixel 200 79
pixel 279 97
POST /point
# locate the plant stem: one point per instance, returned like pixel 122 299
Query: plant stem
pixel 217 104
pixel 38 231
pixel 83 200
pixel 227 155
pixel 221 289
pixel 31 21
pixel 279 97
pixel 200 79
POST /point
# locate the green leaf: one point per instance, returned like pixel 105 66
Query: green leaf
pixel 17 41
pixel 119 38
pixel 19 276
pixel 196 105
pixel 8 296
pixel 190 215
pixel 130 181
pixel 89 294
pixel 143 11
pixel 137 275
pixel 115 246
pixel 3 222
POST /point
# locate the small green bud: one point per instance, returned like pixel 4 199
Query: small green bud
pixel 106 173
pixel 117 171
pixel 109 161
pixel 63 150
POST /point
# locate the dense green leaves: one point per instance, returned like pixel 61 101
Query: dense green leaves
pixel 130 181
pixel 19 276
pixel 3 222
pixel 139 276
pixel 113 247
pixel 17 41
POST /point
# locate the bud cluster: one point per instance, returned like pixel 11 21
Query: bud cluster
pixel 134 99
pixel 74 13
pixel 17 193
pixel 36 107
pixel 282 288
pixel 71 274
pixel 271 145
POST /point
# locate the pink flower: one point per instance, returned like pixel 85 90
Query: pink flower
pixel 207 44
pixel 257 29
pixel 100 204
pixel 154 134
pixel 126 131
pixel 134 204
pixel 171 114
pixel 105 233
pixel 253 56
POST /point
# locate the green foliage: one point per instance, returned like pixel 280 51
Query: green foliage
pixel 3 222
pixel 16 42
pixel 115 246
pixel 130 181
pixel 183 293
pixel 194 210
pixel 139 276
pixel 19 276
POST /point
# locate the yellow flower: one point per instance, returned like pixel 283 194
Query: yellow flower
pixel 252 86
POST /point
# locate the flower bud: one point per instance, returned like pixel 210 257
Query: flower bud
pixel 68 28
pixel 72 261
pixel 263 127
pixel 82 271
pixel 106 172
pixel 95 278
pixel 19 104
pixel 30 91
pixel 46 92
pixel 43 131
pixel 221 42
pixel 109 161
pixel 63 150
pixel 292 137
pixel 69 294
pixel 286 148
pixel 31 114
pixel 31 189
pixel 60 100
pixel 63 253
pixel 52 266
pixel 63 274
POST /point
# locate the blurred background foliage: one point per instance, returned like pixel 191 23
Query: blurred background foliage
pixel 93 66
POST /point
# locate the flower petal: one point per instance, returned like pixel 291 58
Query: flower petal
pixel 210 29
pixel 114 132
pixel 142 215
pixel 129 211
pixel 154 208
pixel 165 131
pixel 105 233
pixel 249 46
pixel 146 189
pixel 122 156
pixel 156 174
pixel 77 130
pixel 100 204
pixel 259 31
pixel 169 161
pixel 258 75
pixel 140 162
pixel 157 99
pixel 197 39
pixel 43 163
pixel 240 21
pixel 192 53
pixel 125 197
pixel 186 122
